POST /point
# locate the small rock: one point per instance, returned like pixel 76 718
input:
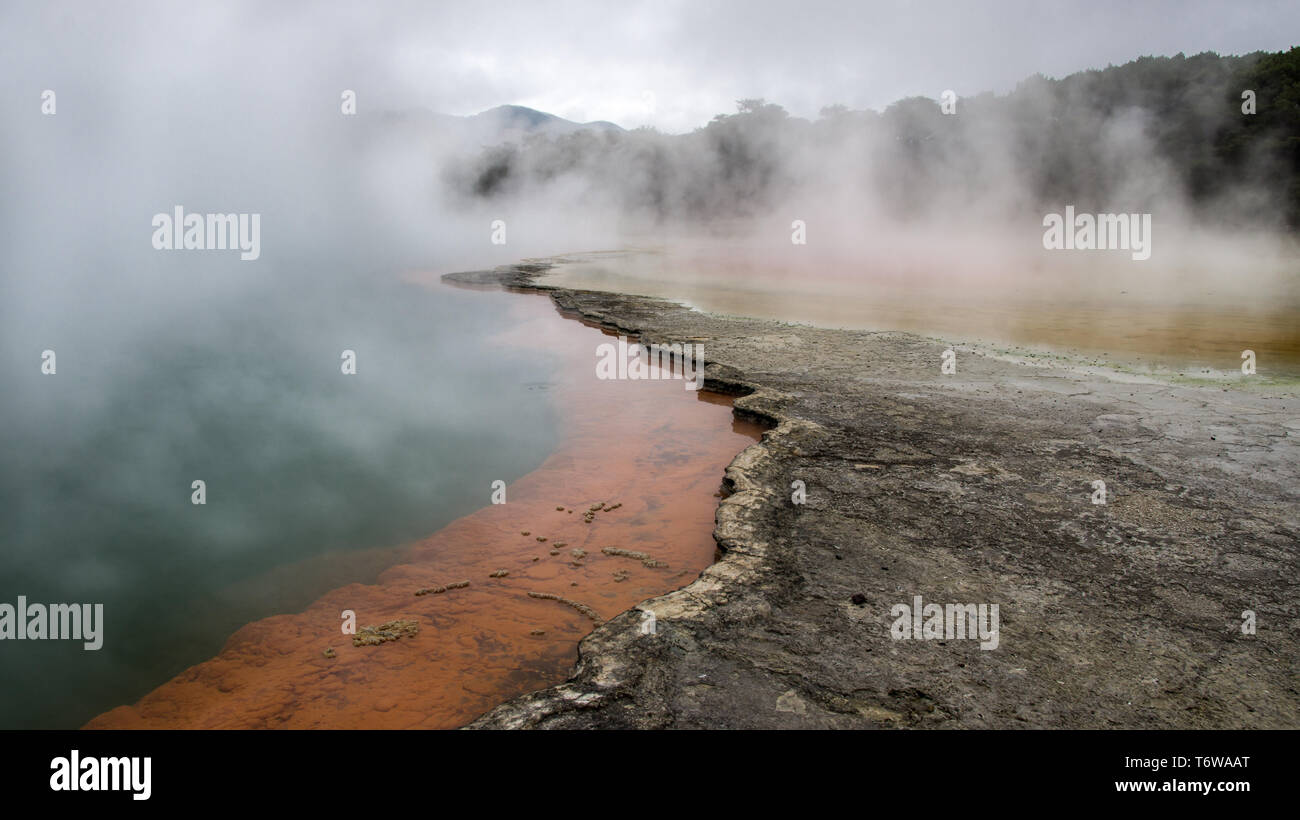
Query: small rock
pixel 390 631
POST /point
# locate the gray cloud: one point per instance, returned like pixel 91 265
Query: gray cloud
pixel 591 60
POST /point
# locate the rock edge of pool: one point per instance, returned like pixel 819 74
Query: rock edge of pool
pixel 1171 605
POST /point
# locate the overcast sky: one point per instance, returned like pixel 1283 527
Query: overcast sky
pixel 669 64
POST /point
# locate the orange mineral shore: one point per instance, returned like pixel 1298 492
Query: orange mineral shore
pixel 651 450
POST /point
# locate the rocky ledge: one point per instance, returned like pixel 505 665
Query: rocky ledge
pixel 1171 605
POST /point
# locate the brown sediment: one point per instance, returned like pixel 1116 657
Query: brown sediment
pixel 640 556
pixel 652 447
pixel 383 633
pixel 441 588
pixel 581 607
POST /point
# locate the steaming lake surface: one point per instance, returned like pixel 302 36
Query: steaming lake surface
pixel 314 479
pixel 1192 315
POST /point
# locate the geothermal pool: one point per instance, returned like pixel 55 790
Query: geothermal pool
pixel 1192 312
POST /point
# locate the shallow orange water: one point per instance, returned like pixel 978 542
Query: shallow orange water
pixel 652 446
pixel 1199 309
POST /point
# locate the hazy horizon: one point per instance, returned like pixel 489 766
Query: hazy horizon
pixel 670 65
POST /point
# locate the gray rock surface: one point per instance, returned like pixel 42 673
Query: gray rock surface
pixel 974 487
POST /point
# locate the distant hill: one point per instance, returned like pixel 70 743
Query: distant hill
pixel 518 118
pixel 503 124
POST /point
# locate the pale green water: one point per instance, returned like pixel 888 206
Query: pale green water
pixel 299 460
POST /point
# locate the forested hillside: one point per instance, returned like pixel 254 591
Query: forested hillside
pixel 1135 137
